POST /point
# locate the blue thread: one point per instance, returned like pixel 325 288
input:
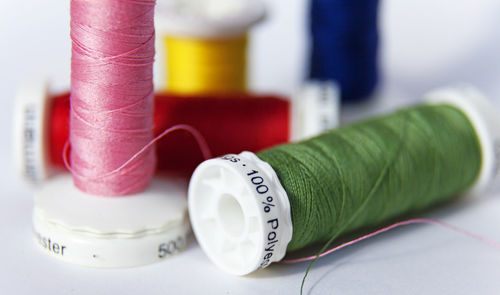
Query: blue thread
pixel 344 45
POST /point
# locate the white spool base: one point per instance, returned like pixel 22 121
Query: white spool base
pixel 111 232
pixel 240 213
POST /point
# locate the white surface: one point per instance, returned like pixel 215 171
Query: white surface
pixel 240 213
pixel 426 43
pixel 101 232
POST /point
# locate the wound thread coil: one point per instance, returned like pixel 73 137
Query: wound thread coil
pixel 267 123
pixel 112 95
pixel 196 66
pixel 252 122
pixel 374 171
pixel 206 44
pixel 347 179
pixel 344 36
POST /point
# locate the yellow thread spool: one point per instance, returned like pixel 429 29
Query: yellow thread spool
pixel 206 43
pixel 206 65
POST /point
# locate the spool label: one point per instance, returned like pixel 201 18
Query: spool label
pixel 29 149
pixel 267 204
pixel 316 109
pixel 172 247
pixel 270 206
pixel 54 247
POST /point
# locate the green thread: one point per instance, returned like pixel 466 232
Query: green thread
pixel 373 171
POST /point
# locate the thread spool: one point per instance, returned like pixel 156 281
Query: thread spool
pixel 344 47
pixel 206 43
pixel 241 210
pixel 111 119
pixel 42 125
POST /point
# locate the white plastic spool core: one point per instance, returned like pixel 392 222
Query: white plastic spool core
pixel 239 212
pixel 486 121
pixel 111 232
pixel 30 131
pixel 207 18
pixel 315 109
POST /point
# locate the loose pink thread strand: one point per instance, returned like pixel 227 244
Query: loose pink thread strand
pixel 200 140
pixel 395 225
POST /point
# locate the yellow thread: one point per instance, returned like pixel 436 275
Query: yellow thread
pixel 206 65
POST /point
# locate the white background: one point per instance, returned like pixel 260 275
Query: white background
pixel 425 44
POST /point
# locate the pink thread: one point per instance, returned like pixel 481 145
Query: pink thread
pixel 395 225
pixel 200 140
pixel 112 95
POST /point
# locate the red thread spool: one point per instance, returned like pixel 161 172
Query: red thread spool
pixel 229 124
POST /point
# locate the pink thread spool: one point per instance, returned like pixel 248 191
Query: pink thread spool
pixel 112 95
pixel 111 121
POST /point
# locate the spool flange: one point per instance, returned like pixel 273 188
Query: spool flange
pixel 110 232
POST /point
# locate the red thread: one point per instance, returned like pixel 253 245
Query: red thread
pixel 230 124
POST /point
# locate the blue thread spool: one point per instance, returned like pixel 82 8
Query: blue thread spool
pixel 344 45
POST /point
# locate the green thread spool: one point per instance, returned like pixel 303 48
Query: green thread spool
pixel 247 210
pixel 379 169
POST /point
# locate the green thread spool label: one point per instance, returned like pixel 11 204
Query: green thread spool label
pixel 240 212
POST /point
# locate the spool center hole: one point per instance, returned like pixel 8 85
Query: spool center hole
pixel 231 215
